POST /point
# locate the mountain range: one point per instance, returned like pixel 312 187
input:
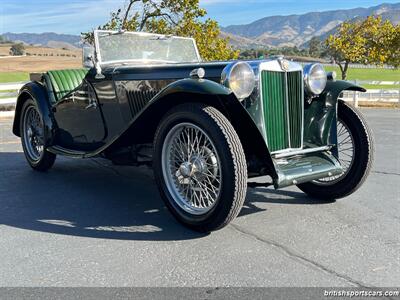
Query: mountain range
pixel 297 30
pixel 274 31
pixel 48 39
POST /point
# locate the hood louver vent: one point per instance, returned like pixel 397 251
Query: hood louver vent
pixel 139 99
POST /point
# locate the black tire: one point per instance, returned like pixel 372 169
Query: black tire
pixel 362 161
pixel 46 159
pixel 232 159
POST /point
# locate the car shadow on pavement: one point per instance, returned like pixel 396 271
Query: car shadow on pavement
pixel 270 195
pixel 83 198
pixel 90 198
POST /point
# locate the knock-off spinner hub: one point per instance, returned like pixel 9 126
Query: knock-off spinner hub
pixel 189 168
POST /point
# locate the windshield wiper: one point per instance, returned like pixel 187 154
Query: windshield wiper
pixel 122 31
pixel 162 38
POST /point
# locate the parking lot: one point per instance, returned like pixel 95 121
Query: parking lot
pixel 89 223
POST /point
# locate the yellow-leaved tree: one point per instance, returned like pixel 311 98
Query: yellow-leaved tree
pixel 367 41
pixel 176 17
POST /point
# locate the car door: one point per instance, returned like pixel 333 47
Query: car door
pixel 80 120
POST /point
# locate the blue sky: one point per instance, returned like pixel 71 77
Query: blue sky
pixel 73 16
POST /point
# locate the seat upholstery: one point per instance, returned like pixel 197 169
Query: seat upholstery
pixel 65 81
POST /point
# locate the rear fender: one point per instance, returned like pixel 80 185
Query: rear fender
pixel 38 93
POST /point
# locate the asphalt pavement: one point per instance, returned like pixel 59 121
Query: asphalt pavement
pixel 89 223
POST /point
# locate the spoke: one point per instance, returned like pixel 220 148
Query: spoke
pixel 340 130
pixel 187 142
pixel 346 140
pixel 347 149
pixel 181 148
pixel 196 142
pixel 211 165
pixel 212 186
pixel 193 194
pixel 187 191
pixel 345 160
pixel 206 190
pixel 348 155
pixel 209 174
pixel 346 152
pixel 203 185
pixel 178 155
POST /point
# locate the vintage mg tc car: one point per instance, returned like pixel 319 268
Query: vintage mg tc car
pixel 206 128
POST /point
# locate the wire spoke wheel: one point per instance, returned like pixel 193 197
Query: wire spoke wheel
pixel 191 168
pixel 355 146
pixel 200 166
pixel 33 134
pixel 346 150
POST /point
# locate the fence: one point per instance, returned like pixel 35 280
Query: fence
pixel 351 66
pixel 360 66
pixel 374 95
pixel 9 91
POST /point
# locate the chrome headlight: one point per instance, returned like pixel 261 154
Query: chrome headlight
pixel 240 78
pixel 315 78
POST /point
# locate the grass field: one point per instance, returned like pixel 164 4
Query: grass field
pixel 17 69
pixel 371 75
pixel 13 77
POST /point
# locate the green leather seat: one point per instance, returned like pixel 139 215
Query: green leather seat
pixel 65 81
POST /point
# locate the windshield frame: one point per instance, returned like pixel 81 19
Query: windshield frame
pixel 144 61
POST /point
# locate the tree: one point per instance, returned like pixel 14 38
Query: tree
pixel 17 49
pixel 315 47
pixel 367 41
pixel 394 44
pixel 3 40
pixel 176 17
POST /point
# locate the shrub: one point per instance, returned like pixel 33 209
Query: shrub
pixel 17 49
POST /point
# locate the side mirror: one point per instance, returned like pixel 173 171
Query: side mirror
pixel 88 56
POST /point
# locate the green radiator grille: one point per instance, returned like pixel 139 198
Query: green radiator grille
pixel 283 109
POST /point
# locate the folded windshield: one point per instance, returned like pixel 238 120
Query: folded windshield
pixel 144 47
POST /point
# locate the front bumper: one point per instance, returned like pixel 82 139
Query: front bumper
pixel 305 167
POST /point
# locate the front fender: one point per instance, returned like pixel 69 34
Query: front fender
pixel 142 128
pixel 194 86
pixel 145 123
pixel 320 116
pixel 338 86
pixel 38 93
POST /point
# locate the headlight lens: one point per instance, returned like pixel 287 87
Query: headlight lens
pixel 240 78
pixel 315 78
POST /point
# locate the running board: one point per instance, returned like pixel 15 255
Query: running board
pixel 67 152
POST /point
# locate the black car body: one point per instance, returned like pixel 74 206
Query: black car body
pixel 286 130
